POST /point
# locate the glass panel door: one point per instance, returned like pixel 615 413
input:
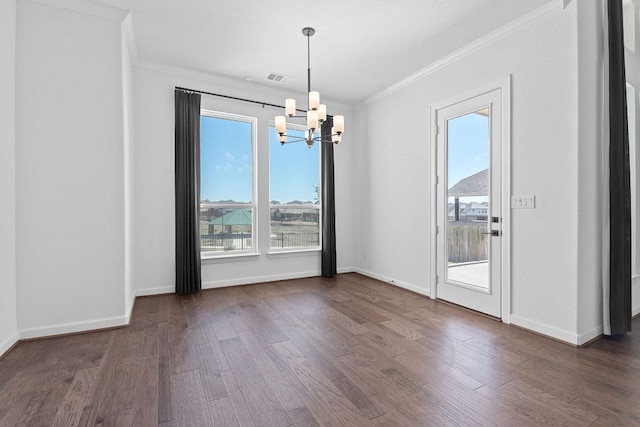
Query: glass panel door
pixel 469 203
pixel 468 199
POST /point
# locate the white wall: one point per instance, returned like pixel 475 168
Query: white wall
pixel 128 50
pixel 590 70
pixel 154 184
pixel 8 314
pixel 394 164
pixel 69 170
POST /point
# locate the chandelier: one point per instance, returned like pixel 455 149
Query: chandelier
pixel 316 113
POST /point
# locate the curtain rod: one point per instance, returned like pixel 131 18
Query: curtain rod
pixel 233 97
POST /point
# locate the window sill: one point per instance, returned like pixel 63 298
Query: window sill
pixel 292 252
pixel 227 257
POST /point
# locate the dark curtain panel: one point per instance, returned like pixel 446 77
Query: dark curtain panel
pixel 187 168
pixel 619 178
pixel 329 268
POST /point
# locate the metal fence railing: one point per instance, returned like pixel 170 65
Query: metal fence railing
pixel 242 241
pixel 294 240
pixel 225 243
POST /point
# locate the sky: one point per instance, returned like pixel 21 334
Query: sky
pixel 295 169
pixel 468 151
pixel 226 164
pixel 226 159
pixel 468 146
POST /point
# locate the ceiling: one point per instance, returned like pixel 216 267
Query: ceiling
pixel 360 47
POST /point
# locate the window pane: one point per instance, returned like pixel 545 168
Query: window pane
pixel 295 192
pixel 225 160
pixel 295 227
pixel 294 170
pixel 225 229
pixel 226 183
pixel 467 196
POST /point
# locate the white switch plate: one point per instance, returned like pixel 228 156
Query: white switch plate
pixel 523 202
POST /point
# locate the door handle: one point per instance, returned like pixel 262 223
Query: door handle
pixel 494 233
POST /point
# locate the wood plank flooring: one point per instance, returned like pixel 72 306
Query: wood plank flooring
pixel 348 351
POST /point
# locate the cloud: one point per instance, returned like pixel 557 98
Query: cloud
pixel 228 167
pixel 229 156
pixel 217 168
pixel 481 158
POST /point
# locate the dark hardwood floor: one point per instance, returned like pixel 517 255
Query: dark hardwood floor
pixel 349 351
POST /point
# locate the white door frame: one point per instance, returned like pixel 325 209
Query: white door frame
pixel 505 204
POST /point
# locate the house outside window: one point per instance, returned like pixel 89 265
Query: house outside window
pixel 227 184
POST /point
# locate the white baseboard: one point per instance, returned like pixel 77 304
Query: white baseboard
pixel 131 302
pixel 7 344
pixel 590 335
pixel 241 281
pixel 258 279
pixel 73 327
pixel 550 331
pixel 394 282
pixel 155 291
pixel 635 311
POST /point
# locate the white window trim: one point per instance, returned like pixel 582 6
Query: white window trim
pixel 210 255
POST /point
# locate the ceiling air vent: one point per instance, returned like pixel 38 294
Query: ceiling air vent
pixel 278 78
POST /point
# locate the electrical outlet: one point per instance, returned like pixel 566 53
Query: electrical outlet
pixel 523 202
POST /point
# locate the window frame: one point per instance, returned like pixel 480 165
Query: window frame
pixel 254 250
pixel 302 206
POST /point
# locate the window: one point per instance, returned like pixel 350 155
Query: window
pixel 294 179
pixel 227 206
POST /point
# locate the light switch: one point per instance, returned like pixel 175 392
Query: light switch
pixel 523 202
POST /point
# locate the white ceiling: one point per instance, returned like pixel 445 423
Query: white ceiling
pixel 360 46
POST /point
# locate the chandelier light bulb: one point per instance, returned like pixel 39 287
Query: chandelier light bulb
pixel 290 107
pixel 322 112
pixel 312 119
pixel 338 124
pixel 314 100
pixel 281 125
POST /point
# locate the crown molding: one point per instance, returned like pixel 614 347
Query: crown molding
pixel 88 8
pixel 500 33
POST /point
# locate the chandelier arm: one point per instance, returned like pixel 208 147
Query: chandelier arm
pixel 294 139
pixel 317 138
pixel 314 140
